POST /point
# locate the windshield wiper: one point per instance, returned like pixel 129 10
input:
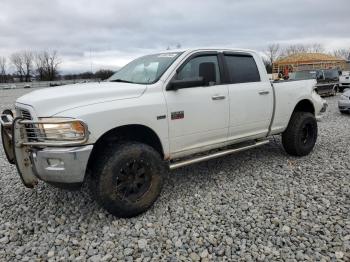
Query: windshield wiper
pixel 121 80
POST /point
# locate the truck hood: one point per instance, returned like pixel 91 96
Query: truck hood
pixel 51 101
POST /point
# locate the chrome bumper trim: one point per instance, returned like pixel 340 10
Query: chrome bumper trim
pixel 61 165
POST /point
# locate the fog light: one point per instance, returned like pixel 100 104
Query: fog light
pixel 55 162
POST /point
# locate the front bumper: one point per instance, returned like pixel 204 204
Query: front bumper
pixel 54 162
pixel 61 165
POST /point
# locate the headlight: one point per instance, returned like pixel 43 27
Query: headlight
pixel 343 97
pixel 62 129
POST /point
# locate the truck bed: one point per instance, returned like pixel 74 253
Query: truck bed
pixel 287 94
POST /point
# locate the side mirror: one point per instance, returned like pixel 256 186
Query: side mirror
pixel 186 83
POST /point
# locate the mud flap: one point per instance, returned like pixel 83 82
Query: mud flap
pixel 22 156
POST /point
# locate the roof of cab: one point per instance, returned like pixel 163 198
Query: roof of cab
pixel 190 50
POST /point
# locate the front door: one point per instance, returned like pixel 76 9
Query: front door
pixel 198 116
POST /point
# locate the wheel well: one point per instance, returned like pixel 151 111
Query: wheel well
pixel 305 106
pixel 137 133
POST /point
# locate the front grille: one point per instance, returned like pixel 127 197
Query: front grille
pixel 25 114
pixel 30 129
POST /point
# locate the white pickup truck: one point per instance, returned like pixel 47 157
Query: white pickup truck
pixel 159 112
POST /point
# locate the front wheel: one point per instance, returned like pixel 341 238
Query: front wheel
pixel 128 179
pixel 301 134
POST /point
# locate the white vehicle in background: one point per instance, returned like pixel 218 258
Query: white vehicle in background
pixel 344 102
pixel 344 81
pixel 9 86
pixel 159 112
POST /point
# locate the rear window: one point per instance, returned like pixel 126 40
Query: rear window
pixel 242 69
pixel 333 74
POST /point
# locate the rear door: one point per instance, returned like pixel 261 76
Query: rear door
pixel 251 99
pixel 197 116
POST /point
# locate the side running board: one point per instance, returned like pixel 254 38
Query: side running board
pixel 224 152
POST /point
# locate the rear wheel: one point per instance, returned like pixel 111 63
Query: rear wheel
pixel 301 134
pixel 128 179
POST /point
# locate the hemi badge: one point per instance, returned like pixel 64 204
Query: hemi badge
pixel 177 115
pixel 161 117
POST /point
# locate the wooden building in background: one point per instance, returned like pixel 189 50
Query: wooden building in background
pixel 308 61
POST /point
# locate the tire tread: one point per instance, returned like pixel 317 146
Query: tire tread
pixel 290 135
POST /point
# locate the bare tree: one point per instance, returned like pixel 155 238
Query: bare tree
pixel 273 52
pixel 342 53
pixel 39 63
pixel 295 49
pixel 316 48
pixel 27 57
pixel 46 63
pixel 303 48
pixel 17 61
pixel 23 62
pixel 3 77
pixel 53 63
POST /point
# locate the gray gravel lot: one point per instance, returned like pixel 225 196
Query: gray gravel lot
pixel 257 205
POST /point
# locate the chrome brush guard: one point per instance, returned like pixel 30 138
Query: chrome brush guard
pixel 20 137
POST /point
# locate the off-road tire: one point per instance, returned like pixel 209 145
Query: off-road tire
pixel 116 175
pixel 301 134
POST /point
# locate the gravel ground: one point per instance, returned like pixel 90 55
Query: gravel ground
pixel 258 205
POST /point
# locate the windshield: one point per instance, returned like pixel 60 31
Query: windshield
pixel 145 70
pixel 301 75
pixel 331 74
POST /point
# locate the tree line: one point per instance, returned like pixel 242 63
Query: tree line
pixel 42 66
pixel 101 74
pixel 275 51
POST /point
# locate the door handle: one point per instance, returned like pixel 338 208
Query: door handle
pixel 218 97
pixel 264 92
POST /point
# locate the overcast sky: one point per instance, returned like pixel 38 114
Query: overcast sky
pixel 114 31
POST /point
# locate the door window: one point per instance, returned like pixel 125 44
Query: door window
pixel 242 69
pixel 197 66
